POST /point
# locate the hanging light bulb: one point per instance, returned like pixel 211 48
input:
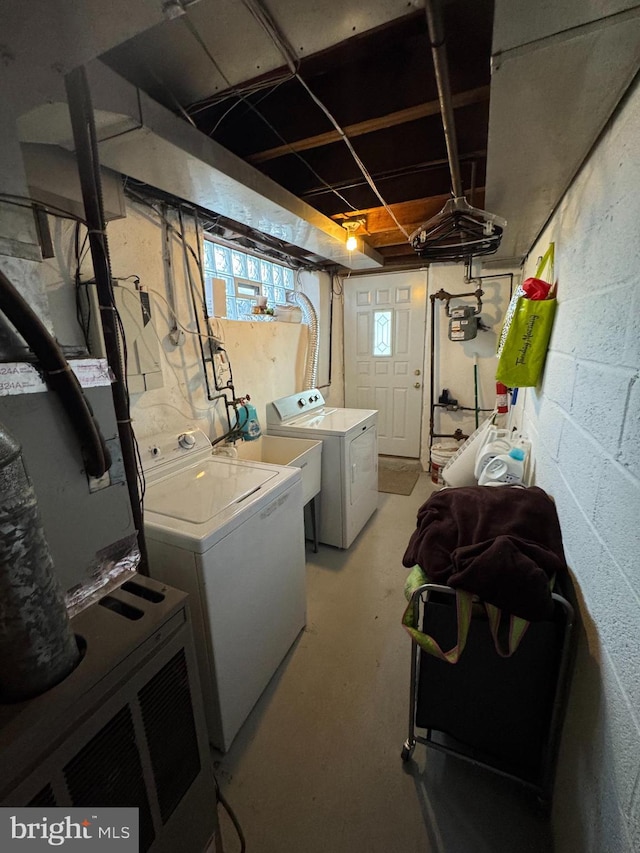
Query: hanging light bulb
pixel 351 226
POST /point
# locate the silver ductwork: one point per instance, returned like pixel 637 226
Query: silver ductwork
pixel 37 646
pixel 310 318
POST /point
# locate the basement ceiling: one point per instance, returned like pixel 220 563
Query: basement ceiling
pixel 215 66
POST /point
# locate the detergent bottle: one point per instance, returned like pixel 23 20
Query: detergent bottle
pixel 495 441
pixel 506 469
pixel 247 420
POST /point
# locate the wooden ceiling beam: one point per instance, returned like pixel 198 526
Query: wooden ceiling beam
pixel 380 230
pixel 463 99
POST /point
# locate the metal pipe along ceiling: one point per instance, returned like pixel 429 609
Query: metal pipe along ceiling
pixel 439 54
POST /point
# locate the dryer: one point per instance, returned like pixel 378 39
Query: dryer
pixel 349 481
pixel 231 534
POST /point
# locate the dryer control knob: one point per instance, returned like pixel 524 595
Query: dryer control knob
pixel 186 440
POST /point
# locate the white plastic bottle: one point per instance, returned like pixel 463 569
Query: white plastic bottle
pixel 506 469
pixel 489 451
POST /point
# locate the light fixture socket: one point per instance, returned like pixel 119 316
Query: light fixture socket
pixel 351 226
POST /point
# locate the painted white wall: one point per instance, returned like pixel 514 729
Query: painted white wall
pixel 334 392
pixel 454 360
pixel 585 422
pixel 267 358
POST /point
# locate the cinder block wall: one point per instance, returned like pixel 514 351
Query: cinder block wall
pixel 585 424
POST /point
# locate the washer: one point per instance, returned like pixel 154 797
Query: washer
pixel 349 490
pixel 231 534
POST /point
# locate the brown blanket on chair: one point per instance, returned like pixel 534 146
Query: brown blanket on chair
pixel 502 543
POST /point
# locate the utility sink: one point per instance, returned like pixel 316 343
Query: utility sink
pixel 279 450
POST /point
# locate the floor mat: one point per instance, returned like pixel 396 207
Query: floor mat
pixel 395 481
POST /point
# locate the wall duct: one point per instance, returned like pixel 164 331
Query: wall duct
pixel 37 646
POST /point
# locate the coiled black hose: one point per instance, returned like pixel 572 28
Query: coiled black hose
pixel 58 375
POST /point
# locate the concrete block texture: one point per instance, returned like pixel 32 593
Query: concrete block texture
pixel 591 781
pixel 632 341
pixel 612 320
pixel 634 822
pixel 591 374
pixel 612 604
pixel 600 401
pixel 550 424
pixel 582 460
pixel 620 737
pixel 558 379
pixel 629 454
pixel 616 514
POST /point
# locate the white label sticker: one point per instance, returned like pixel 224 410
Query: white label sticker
pixel 22 378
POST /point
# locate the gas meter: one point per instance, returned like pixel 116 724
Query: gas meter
pixel 463 323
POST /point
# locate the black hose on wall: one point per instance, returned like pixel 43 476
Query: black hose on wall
pixel 86 145
pixel 37 646
pixel 58 376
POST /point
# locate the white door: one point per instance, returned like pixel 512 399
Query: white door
pixel 384 335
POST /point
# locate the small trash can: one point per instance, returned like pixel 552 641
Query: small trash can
pixel 440 455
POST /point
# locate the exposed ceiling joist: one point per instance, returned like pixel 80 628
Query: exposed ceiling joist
pixel 463 99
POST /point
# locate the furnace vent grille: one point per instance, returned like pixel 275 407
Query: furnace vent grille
pixel 44 798
pixel 108 772
pixel 167 712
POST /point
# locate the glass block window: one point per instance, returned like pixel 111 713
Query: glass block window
pixel 246 288
pixel 253 268
pixel 265 272
pixel 222 260
pixel 267 290
pixel 239 264
pixel 287 278
pixel 209 255
pixel 381 333
pixel 246 278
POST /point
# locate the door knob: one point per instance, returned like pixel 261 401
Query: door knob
pixel 416 385
pixel 417 372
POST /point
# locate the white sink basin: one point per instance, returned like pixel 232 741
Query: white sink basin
pixel 298 452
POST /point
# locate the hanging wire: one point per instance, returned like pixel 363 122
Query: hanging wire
pixel 236 91
pixel 240 101
pixel 29 203
pixel 169 92
pixel 251 106
pixel 267 22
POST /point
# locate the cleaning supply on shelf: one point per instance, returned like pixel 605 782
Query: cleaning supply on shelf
pixel 505 469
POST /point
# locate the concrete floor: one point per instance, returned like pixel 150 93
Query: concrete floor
pixel 316 768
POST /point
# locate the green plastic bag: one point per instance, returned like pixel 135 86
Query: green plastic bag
pixel 524 340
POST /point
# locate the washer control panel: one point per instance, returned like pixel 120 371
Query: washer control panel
pixel 163 448
pixel 288 407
